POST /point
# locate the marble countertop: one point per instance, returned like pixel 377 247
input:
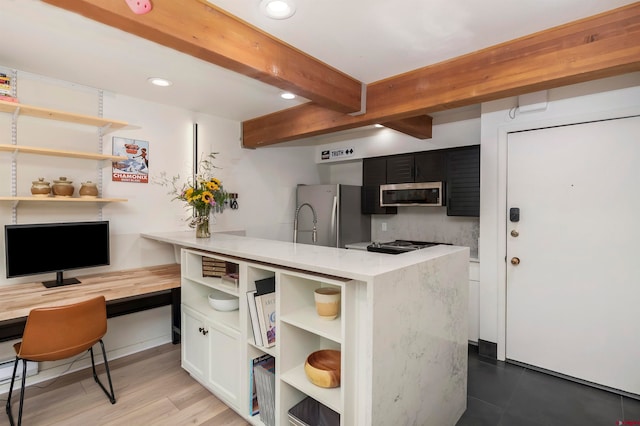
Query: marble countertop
pixel 353 264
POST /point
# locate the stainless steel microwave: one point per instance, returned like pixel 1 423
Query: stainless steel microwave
pixel 412 194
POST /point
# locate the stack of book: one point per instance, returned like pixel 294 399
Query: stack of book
pixel 262 310
pixel 213 267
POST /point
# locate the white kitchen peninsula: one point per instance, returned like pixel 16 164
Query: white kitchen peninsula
pixel 402 331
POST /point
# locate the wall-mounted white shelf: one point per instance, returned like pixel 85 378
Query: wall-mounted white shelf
pixel 60 153
pixel 64 199
pixel 51 114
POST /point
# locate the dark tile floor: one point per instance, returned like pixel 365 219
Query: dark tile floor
pixel 501 394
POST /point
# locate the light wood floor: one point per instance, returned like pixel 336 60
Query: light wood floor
pixel 151 389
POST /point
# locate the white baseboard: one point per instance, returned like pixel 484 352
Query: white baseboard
pixel 6 370
pixel 78 363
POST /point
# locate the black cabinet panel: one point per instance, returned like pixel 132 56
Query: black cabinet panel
pixel 427 166
pixel 458 168
pixel 430 166
pixel 463 181
pixel 374 174
pixel 374 171
pixel 400 169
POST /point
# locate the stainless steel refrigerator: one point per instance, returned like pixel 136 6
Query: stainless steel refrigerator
pixel 337 213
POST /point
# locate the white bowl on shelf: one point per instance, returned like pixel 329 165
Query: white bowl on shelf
pixel 221 301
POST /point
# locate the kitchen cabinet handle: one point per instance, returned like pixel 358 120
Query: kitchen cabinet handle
pixel 515 260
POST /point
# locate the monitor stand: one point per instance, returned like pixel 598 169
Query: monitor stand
pixel 60 281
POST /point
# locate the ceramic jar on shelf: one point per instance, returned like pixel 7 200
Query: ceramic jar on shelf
pixel 63 187
pixel 40 188
pixel 88 189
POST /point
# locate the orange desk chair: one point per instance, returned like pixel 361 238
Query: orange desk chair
pixel 61 332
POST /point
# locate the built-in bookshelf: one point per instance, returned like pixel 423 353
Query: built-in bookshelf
pixel 299 332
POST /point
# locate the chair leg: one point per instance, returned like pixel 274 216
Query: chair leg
pixel 13 378
pixel 111 395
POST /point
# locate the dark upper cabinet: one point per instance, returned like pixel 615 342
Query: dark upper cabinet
pixel 400 169
pixel 459 168
pixel 374 174
pixel 428 166
pixel 463 181
pixel 374 171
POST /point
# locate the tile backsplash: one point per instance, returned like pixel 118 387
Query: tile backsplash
pixel 427 224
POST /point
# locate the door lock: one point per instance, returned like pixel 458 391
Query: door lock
pixel 515 260
pixel 514 214
pixel 514 233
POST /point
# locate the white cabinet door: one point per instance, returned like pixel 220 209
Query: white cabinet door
pixel 572 300
pixel 224 363
pixel 194 344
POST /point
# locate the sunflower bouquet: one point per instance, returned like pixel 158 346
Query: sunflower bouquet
pixel 204 193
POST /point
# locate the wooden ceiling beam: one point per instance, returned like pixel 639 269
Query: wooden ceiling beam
pixel 202 30
pixel 419 127
pixel 600 46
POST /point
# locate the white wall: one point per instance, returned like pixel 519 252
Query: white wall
pixel 264 179
pixel 602 99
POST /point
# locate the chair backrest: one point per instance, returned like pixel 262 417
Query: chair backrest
pixel 63 331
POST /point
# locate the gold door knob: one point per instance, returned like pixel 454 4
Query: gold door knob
pixel 515 261
pixel 514 233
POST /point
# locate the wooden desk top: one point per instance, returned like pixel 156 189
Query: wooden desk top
pixel 16 300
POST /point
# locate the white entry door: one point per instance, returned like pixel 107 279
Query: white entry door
pixel 573 301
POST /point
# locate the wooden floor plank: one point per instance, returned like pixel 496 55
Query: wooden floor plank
pixel 197 414
pixel 151 388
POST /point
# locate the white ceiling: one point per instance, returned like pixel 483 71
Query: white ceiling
pixel 367 39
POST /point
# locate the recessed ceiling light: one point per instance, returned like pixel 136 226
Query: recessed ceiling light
pixel 157 81
pixel 278 9
pixel 378 125
pixel 287 95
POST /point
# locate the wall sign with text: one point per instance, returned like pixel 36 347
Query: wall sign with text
pixel 333 154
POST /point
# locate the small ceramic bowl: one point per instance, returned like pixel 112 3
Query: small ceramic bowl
pixel 221 301
pixel 323 368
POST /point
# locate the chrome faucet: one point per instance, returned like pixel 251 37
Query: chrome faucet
pixel 314 231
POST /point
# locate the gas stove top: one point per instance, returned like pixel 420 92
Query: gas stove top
pixel 399 246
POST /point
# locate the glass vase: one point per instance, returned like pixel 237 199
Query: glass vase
pixel 201 223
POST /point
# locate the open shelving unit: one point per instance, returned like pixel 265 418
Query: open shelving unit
pixel 16 109
pixel 299 333
pixel 63 200
pixel 59 153
pixel 104 126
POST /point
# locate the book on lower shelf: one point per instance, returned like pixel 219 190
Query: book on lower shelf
pixel 253 315
pixel 265 393
pixel 265 361
pixel 266 307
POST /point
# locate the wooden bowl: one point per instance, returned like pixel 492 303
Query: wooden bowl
pixel 323 368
